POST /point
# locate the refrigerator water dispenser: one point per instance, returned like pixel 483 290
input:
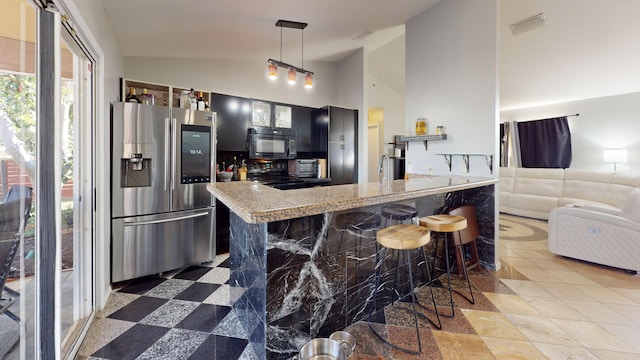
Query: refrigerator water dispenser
pixel 135 171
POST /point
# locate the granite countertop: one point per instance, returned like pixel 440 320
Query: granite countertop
pixel 256 203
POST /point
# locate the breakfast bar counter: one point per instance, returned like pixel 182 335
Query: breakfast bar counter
pixel 298 274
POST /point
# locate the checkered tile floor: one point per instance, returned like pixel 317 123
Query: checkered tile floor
pixel 186 315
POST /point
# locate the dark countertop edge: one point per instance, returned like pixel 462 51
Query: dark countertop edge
pixel 258 217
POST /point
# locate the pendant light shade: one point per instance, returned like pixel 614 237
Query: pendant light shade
pixel 308 81
pixel 291 78
pixel 272 72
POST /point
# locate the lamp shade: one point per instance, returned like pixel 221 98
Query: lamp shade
pixel 291 78
pixel 308 81
pixel 272 72
pixel 614 156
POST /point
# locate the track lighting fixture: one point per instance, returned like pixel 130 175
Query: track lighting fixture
pixel 272 72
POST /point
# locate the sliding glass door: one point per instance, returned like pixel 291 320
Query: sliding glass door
pixel 46 182
pixel 18 164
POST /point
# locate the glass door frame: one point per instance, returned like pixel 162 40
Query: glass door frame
pixel 83 218
pixel 48 342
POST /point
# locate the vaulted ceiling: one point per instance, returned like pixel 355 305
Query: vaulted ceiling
pixel 586 49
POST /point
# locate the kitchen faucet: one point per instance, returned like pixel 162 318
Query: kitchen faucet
pixel 382 158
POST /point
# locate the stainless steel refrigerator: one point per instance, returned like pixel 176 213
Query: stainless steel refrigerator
pixel 163 217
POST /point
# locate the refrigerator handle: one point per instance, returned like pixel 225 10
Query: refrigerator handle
pixel 150 222
pixel 173 151
pixel 167 143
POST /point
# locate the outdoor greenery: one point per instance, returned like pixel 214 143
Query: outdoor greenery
pixel 18 122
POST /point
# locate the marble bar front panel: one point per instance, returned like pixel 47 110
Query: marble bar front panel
pixel 307 277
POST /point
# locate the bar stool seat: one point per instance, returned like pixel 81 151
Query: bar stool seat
pixel 404 238
pixel 448 224
pixel 444 222
pixel 398 212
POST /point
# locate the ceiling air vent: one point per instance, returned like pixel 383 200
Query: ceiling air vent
pixel 527 24
pixel 362 35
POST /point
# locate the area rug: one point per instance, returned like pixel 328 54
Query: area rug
pixel 513 228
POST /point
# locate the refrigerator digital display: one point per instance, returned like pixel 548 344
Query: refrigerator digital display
pixel 196 154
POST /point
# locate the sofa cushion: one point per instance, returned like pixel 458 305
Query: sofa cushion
pixel 591 206
pixel 545 182
pixel 621 185
pixel 532 202
pixel 507 176
pixel 631 206
pixel 564 201
pixel 587 185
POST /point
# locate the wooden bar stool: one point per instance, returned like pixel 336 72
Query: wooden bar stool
pixel 466 236
pixel 448 224
pixel 404 238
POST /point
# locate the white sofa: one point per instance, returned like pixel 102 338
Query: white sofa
pixel 593 215
pixel 595 236
pixel 535 192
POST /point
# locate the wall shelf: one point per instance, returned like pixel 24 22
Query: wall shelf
pixel 465 157
pixel 424 138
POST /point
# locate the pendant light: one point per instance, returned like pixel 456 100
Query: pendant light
pixel 308 81
pixel 272 70
pixel 291 77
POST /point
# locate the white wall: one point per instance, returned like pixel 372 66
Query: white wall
pixel 604 123
pixel 393 102
pixel 587 49
pixel 92 22
pixel 237 77
pixel 451 66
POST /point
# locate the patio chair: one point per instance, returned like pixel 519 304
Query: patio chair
pixel 13 217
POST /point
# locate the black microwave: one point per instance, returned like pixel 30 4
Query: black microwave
pixel 271 144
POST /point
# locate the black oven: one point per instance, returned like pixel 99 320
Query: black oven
pixel 271 144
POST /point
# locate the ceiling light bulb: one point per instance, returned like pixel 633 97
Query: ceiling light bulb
pixel 308 81
pixel 291 79
pixel 273 72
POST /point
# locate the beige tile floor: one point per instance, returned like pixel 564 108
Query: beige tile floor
pixel 549 307
pixel 566 309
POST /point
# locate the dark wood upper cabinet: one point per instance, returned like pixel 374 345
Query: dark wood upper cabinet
pixel 301 122
pixel 233 118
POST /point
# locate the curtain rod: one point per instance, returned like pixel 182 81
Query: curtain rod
pixel 572 115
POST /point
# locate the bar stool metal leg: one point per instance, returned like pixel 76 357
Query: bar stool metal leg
pixel 413 303
pixel 448 225
pixel 466 274
pixel 433 298
pixel 446 258
pixel 406 253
